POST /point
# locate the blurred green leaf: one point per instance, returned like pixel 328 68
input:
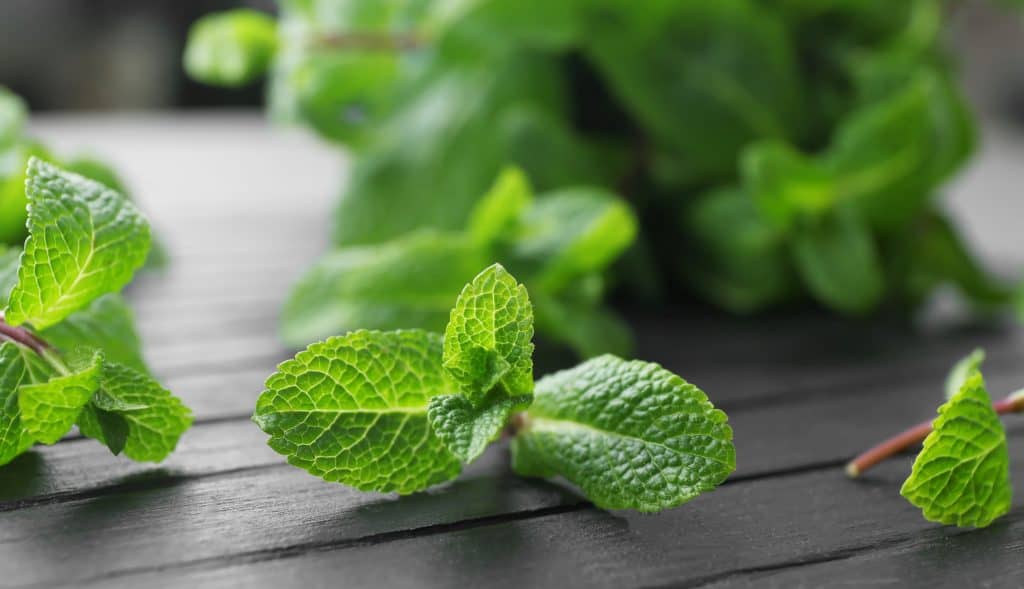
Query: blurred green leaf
pixel 230 48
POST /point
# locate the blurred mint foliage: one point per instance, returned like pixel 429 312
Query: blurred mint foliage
pixel 773 151
pixel 16 148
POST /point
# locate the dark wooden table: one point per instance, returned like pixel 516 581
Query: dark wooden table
pixel 244 209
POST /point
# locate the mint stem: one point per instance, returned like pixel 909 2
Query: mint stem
pixel 23 336
pixel 915 435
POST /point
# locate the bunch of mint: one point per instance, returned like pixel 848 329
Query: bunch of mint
pixel 399 411
pixel 774 152
pixel 69 352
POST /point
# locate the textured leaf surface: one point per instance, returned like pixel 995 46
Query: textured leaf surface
pixel 488 341
pixel 18 366
pixel 49 409
pixel 353 409
pixel 630 434
pixel 108 324
pixel 410 282
pixel 85 241
pixel 151 418
pixel 466 428
pixel 962 476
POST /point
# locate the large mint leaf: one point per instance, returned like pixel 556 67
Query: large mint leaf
pixel 488 341
pixel 409 282
pixel 18 366
pixel 466 428
pixel 962 476
pixel 353 409
pixel 133 413
pixel 49 409
pixel 85 241
pixel 230 48
pixel 107 324
pixel 630 434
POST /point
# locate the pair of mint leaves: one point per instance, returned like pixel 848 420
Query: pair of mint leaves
pixel 69 353
pixel 962 475
pixel 399 411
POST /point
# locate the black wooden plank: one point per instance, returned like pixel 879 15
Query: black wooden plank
pixel 765 524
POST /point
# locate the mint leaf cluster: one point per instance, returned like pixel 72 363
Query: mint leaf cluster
pixel 561 242
pixel 69 352
pixel 768 163
pixel 399 411
pixel 962 475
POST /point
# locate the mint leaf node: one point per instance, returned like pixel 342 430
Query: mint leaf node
pixel 962 475
pixel 353 409
pixel 49 409
pixel 629 434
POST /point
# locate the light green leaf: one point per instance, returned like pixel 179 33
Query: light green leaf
pixel 590 330
pixel 573 232
pixel 488 341
pixel 630 434
pixel 18 366
pixel 49 409
pixel 85 241
pixel 466 428
pixel 500 210
pixel 108 324
pixel 785 184
pixel 837 258
pixel 409 282
pixel 12 117
pixel 962 370
pixel 230 48
pixel 153 418
pixel 10 259
pixel 353 409
pixel 962 476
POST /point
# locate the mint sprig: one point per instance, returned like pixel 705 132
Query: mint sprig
pixel 401 410
pixel 69 352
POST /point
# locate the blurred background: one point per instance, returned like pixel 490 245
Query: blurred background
pixel 125 54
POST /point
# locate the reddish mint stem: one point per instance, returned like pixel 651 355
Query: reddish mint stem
pixel 22 336
pixel 916 435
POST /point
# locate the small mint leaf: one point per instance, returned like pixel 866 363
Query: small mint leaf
pixel 962 475
pixel 353 409
pixel 629 434
pixel 499 211
pixel 230 48
pixel 18 366
pixel 49 409
pixel 108 324
pixel 962 370
pixel 85 240
pixel 466 429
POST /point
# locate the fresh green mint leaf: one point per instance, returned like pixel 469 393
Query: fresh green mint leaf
pixel 574 232
pixel 18 366
pixel 785 184
pixel 49 409
pixel 13 113
pixel 629 434
pixel 489 338
pixel 412 281
pixel 353 409
pixel 839 262
pixel 962 475
pixel 230 48
pixel 499 212
pixel 962 370
pixel 153 418
pixel 108 324
pixel 466 428
pixel 85 241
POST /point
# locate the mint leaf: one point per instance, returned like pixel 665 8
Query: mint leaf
pixel 499 211
pixel 963 370
pixel 574 232
pixel 108 324
pixel 488 341
pixel 49 409
pixel 353 409
pixel 962 476
pixel 588 329
pixel 85 241
pixel 153 418
pixel 412 281
pixel 230 48
pixel 467 428
pixel 630 434
pixel 18 366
